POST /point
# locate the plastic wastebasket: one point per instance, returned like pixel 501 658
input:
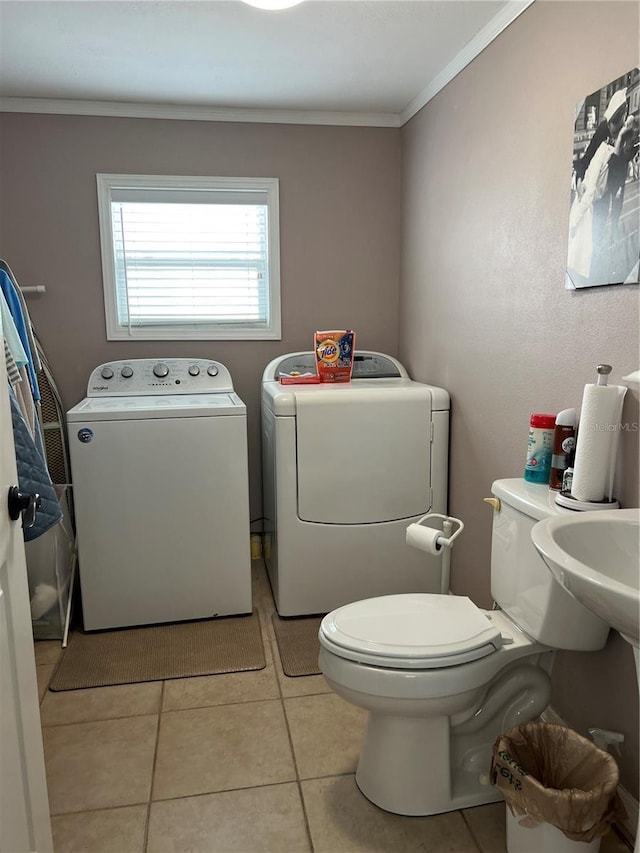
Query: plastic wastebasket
pixel 560 789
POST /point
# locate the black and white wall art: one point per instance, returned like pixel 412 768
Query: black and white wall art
pixel 604 220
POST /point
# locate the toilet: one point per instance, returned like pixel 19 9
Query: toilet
pixel 442 678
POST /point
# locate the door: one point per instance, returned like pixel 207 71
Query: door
pixel 363 455
pixel 24 808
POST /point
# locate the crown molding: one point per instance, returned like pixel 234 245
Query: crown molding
pixel 487 34
pixel 195 113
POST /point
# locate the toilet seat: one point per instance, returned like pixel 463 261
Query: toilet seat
pixel 410 631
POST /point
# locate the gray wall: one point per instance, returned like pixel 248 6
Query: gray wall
pixel 339 228
pixel 486 170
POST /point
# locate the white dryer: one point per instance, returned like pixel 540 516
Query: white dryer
pixel 159 466
pixel 346 468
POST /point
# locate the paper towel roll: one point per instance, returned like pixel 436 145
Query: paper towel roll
pixel 424 538
pixel 597 443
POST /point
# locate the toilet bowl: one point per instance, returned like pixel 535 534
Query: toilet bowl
pixel 435 713
pixel 441 679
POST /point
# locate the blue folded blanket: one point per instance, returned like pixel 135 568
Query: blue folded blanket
pixel 33 475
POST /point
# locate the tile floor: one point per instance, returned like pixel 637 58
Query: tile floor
pixel 238 763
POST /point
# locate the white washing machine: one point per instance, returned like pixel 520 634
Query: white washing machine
pixel 346 468
pixel 159 467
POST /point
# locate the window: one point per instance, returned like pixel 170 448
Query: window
pixel 190 257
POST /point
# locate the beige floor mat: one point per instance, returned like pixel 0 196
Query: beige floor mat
pixel 298 645
pixel 159 652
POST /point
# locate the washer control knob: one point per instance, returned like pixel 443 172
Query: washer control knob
pixel 212 370
pixel 160 370
pixel 126 372
pixel 194 370
pixel 106 373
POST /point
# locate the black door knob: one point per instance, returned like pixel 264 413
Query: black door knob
pixel 26 503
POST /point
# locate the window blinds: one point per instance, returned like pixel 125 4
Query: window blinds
pixel 183 263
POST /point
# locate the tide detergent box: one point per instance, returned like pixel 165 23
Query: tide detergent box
pixel 334 355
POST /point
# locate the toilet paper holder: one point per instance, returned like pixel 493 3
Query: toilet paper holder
pixel 440 544
pixel 446 539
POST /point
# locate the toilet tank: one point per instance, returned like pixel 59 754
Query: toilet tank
pixel 522 584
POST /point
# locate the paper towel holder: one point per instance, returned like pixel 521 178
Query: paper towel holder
pixel 566 500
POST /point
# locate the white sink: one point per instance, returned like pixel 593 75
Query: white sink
pixel 595 556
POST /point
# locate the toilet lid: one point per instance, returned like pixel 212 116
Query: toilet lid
pixel 411 631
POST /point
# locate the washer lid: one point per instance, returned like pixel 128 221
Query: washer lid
pixel 151 407
pixel 411 631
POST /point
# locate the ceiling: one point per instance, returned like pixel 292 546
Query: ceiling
pixel 371 62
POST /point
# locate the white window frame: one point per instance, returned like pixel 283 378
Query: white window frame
pixel 267 188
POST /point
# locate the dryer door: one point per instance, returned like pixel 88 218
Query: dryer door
pixel 363 454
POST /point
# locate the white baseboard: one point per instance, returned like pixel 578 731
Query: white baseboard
pixel 630 826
